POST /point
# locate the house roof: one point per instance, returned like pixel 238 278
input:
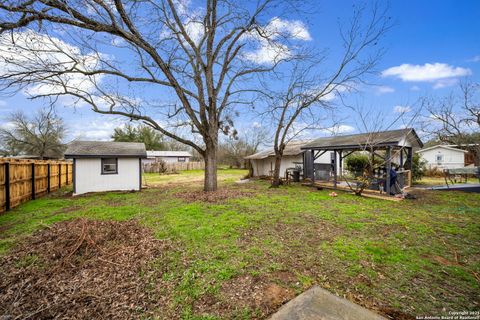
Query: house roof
pixel 443 147
pixel 152 153
pixel 293 148
pixel 380 139
pixel 96 149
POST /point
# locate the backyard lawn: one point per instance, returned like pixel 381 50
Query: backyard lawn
pixel 174 252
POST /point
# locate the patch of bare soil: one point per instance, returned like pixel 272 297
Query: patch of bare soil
pixel 264 294
pixel 212 196
pixel 80 269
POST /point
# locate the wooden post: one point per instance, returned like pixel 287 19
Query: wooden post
pixel 59 175
pixel 410 158
pixel 48 177
pixel 388 167
pixel 66 174
pixel 33 181
pixel 312 155
pixel 401 158
pixel 340 162
pixel 7 186
pixel 334 160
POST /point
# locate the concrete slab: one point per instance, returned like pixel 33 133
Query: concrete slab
pixel 319 304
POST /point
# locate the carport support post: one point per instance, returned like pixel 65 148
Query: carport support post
pixel 335 169
pixel 340 163
pixel 388 167
pixel 410 158
pixel 401 158
pixel 312 155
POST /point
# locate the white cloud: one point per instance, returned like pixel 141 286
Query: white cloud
pixel 443 83
pixel 339 129
pixel 415 88
pixel 401 109
pixel 428 72
pixel 268 53
pixel 95 129
pixel 293 29
pixel 384 89
pixel 26 51
pixel 270 49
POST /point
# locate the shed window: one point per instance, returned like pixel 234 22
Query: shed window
pixel 181 159
pixel 109 166
pixel 439 158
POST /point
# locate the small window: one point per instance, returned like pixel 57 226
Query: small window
pixel 181 159
pixel 109 166
pixel 439 158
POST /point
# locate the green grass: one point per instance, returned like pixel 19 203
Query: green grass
pixel 379 250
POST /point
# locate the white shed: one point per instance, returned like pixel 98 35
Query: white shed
pixel 106 166
pixel 443 157
pixel 263 162
pixel 167 156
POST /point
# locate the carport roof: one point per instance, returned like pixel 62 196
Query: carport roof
pixel 391 138
pixel 98 149
pixel 293 148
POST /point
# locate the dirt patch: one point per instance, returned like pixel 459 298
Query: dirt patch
pixel 213 196
pixel 81 269
pixel 255 293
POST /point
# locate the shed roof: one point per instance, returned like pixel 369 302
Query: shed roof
pixel 293 148
pixel 167 153
pixel 443 147
pixel 379 139
pixel 97 149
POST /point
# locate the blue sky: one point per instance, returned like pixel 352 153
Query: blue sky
pixel 432 46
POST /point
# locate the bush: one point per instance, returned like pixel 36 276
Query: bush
pixel 419 168
pixel 357 163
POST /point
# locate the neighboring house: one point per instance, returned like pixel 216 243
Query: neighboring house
pixel 106 166
pixel 443 157
pixel 167 156
pixel 263 162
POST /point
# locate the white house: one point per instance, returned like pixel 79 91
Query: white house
pixel 106 166
pixel 263 162
pixel 167 156
pixel 443 157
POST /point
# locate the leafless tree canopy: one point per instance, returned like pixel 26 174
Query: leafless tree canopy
pixel 455 119
pixel 39 135
pixel 314 81
pixel 202 57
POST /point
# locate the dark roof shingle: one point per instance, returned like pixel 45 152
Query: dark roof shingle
pixel 95 149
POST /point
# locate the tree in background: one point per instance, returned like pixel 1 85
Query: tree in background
pixel 233 151
pixel 40 135
pixel 153 139
pixel 455 119
pixel 314 82
pixel 205 59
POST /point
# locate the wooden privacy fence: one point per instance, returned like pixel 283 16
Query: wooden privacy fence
pixel 165 167
pixel 22 180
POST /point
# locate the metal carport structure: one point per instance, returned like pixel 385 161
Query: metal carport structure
pixel 400 142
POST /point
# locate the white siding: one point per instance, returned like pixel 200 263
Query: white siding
pixel 451 158
pixel 89 177
pixel 263 167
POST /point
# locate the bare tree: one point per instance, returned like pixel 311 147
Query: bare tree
pixel 310 89
pixel 201 59
pixel 455 119
pixel 40 135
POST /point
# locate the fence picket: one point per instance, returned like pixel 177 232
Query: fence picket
pixel 23 180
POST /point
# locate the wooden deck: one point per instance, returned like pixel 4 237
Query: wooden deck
pixel 366 193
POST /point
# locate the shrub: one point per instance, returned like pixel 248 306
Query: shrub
pixel 419 168
pixel 357 163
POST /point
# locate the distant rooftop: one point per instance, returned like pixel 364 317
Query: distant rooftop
pixel 93 149
pixel 165 153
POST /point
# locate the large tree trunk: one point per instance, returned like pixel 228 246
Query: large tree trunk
pixel 276 171
pixel 210 182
